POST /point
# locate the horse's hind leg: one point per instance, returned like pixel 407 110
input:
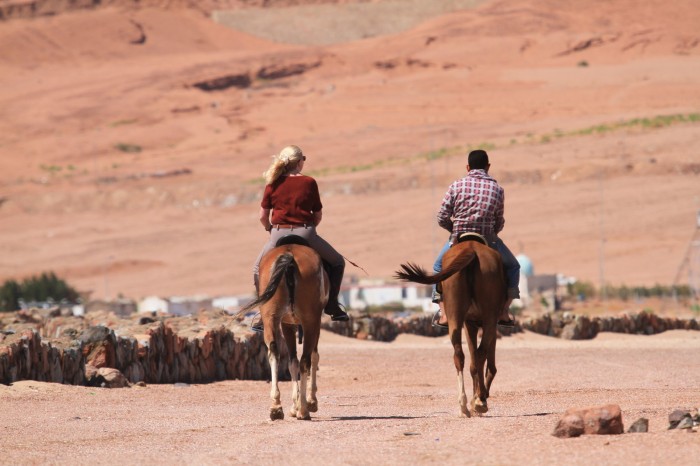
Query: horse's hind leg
pixel 306 368
pixel 456 338
pixel 490 365
pixel 290 339
pixel 311 400
pixel 273 355
pixel 478 356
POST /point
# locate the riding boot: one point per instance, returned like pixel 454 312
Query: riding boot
pixel 333 309
pixel 504 319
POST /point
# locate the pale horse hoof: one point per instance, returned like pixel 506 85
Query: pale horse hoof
pixel 305 417
pixel 479 407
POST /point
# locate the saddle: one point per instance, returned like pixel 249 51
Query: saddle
pixel 292 239
pixel 472 236
pixel 463 237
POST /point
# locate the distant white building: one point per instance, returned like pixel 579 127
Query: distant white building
pixel 526 271
pixel 176 305
pixel 366 293
pixel 231 303
pixel 153 304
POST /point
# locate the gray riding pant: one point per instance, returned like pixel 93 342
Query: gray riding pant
pixel 320 245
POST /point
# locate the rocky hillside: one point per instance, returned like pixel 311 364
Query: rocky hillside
pixel 132 139
pixel 14 9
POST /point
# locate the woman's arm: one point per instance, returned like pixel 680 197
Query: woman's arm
pixel 317 218
pixel 265 218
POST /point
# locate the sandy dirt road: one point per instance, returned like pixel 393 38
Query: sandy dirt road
pixel 379 403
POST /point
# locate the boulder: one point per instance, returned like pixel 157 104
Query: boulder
pixel 640 425
pixel 597 420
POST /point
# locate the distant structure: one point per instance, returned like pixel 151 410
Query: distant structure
pixel 526 271
pixel 545 287
pixel 122 307
pixel 691 261
pixel 526 267
pixel 175 305
pixel 365 293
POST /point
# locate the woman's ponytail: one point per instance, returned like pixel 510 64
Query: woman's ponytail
pixel 287 160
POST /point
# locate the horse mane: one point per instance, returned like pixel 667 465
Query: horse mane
pixel 415 273
pixel 284 266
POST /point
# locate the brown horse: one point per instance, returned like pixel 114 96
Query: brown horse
pixel 295 293
pixel 473 292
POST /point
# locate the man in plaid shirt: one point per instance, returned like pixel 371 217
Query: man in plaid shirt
pixel 475 204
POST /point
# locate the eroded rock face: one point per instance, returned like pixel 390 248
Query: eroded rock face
pixel 598 420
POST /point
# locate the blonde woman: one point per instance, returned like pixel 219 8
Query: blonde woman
pixel 291 204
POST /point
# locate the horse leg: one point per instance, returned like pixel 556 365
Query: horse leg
pixel 305 364
pixel 311 400
pixel 289 338
pixel 490 364
pixel 456 339
pixel 273 355
pixel 476 368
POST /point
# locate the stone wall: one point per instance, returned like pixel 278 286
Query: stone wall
pixel 212 345
pixel 561 325
pixel 203 348
pixel 579 327
pixel 384 328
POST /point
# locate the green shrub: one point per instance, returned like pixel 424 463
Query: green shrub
pixel 10 293
pixel 44 287
pixel 128 148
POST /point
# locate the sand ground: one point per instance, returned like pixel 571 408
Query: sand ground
pixel 379 403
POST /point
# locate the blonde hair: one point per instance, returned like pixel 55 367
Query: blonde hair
pixel 286 161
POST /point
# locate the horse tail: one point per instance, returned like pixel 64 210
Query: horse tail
pixel 284 267
pixel 414 273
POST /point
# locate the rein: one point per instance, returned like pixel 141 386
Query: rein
pixel 356 266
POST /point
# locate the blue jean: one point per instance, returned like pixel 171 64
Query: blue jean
pixel 510 263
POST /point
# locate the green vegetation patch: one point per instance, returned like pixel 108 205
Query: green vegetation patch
pixel 128 148
pixel 657 122
pixel 44 287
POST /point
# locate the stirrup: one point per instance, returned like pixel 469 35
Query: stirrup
pixel 339 314
pixel 510 323
pixel 257 326
pixel 436 321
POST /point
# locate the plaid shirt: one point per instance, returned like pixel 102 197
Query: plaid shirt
pixel 473 203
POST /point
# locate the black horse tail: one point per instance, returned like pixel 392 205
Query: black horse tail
pixel 284 267
pixel 414 273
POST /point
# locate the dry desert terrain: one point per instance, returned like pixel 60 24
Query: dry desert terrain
pixel 132 140
pixel 133 137
pixel 379 403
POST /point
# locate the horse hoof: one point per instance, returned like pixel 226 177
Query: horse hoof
pixel 312 405
pixel 304 417
pixel 480 409
pixel 276 414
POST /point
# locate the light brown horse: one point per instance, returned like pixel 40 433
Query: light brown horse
pixel 473 292
pixel 295 293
